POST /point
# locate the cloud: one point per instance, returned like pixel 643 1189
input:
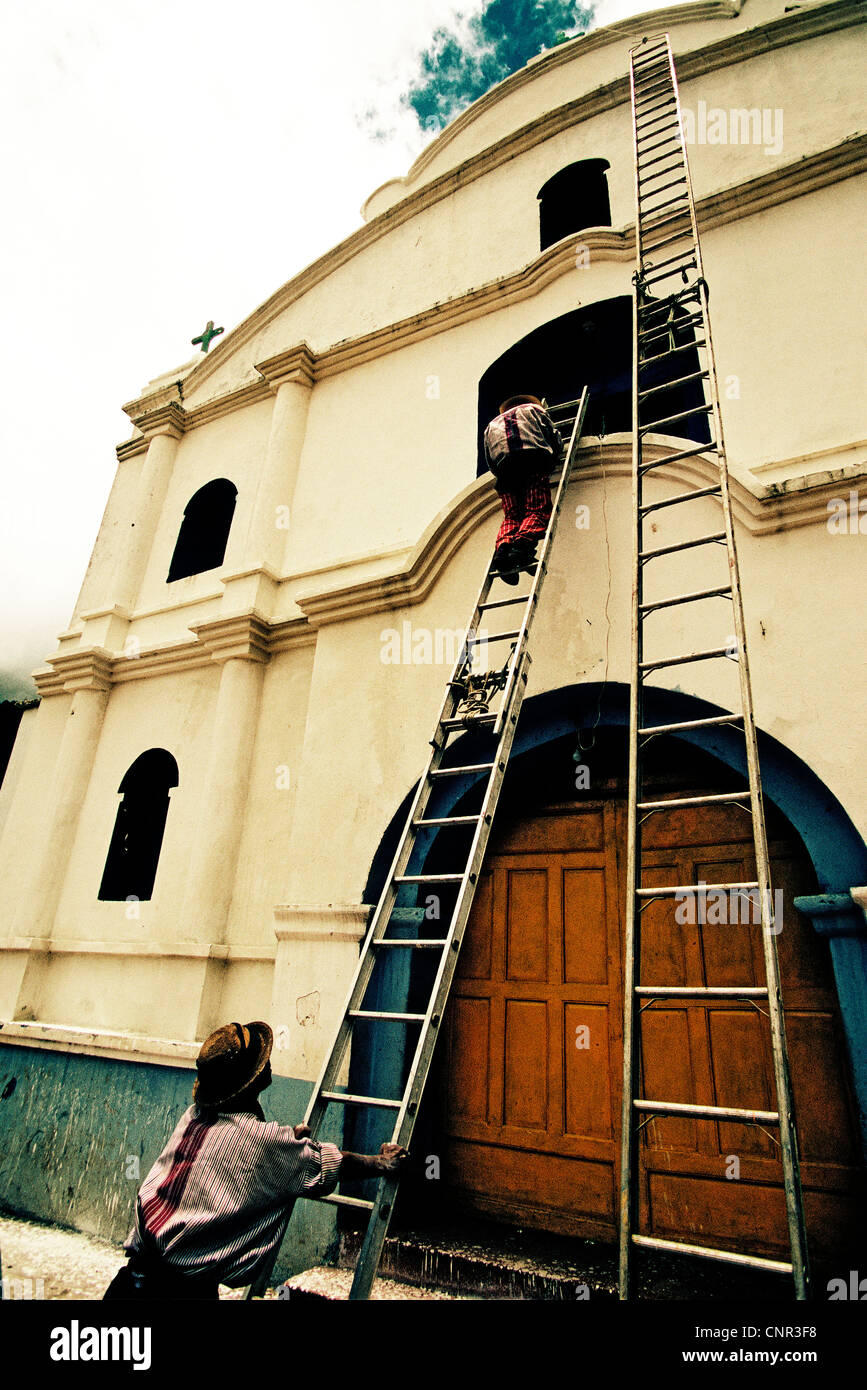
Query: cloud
pixel 462 63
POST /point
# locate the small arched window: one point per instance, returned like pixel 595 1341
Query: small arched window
pixel 201 543
pixel 575 198
pixel 134 852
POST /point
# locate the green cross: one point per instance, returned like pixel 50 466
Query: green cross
pixel 209 333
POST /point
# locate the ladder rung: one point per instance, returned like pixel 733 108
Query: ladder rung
pixel 669 385
pixel 380 1013
pixel 658 330
pixel 503 602
pixel 448 820
pixel 643 197
pixel 675 802
pixel 642 70
pixel 659 159
pixel 672 891
pixel 675 135
pixel 345 1098
pixel 707 1252
pixel 642 127
pixel 657 105
pixel 656 85
pixel 467 720
pixel 702 991
pixel 682 545
pixel 436 944
pixel 429 878
pixel 710 654
pixel 649 226
pixel 707 1112
pixel 456 771
pixel 681 454
pixel 666 241
pixel 651 52
pixel 723 591
pixel 336 1199
pixel 661 173
pixel 690 723
pixel 501 636
pixel 673 268
pixel 669 352
pixel 675 262
pixel 669 203
pixel 681 496
pixel 672 419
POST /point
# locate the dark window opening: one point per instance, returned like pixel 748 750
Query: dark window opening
pixel 593 347
pixel 575 198
pixel 134 852
pixel 204 533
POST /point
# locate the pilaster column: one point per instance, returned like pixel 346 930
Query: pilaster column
pixel 163 424
pixel 88 676
pixel 840 918
pixel 240 644
pixel 290 376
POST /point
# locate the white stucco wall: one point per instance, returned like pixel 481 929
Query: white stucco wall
pixel 388 526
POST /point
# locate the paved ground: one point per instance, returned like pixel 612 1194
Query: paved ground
pixel 48 1262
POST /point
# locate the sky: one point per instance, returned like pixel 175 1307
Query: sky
pixel 165 162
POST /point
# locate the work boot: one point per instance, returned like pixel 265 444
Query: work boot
pixel 505 564
pixel 524 550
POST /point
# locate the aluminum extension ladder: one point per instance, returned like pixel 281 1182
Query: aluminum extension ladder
pixel 407 872
pixel 670 296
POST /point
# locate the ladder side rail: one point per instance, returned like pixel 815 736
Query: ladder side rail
pixel 785 1104
pixel 632 923
pixel 377 1228
pixel 788 1136
pixel 382 912
pixel 505 727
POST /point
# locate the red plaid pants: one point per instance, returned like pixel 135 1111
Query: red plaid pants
pixel 526 510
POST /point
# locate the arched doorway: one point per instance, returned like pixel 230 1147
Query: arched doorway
pixel 528 1079
pixel 523 1106
pixel 592 347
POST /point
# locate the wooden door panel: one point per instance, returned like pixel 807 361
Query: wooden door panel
pixel 585 947
pixel 525 1081
pixel 527 924
pixel 534 1039
pixel 587 1104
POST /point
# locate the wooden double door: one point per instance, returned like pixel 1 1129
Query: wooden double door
pixel 530 1069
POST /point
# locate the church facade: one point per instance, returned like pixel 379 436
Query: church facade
pixel 199 815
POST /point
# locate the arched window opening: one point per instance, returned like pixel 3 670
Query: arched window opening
pixel 575 198
pixel 204 533
pixel 593 347
pixel 134 851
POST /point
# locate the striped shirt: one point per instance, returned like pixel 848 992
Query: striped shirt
pixel 522 427
pixel 217 1200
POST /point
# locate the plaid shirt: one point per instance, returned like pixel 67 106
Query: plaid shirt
pixel 522 427
pixel 218 1197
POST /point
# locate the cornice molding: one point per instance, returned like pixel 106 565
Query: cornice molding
pixel 168 417
pixel 777 33
pixel 90 669
pixel 297 364
pixel 328 922
pixel 573 50
pixel 98 1042
pixel 777 507
pixel 845 160
pixel 241 636
pixel 759 510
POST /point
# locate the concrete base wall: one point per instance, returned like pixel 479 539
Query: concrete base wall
pixel 78 1135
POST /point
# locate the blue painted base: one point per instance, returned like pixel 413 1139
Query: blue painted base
pixel 78 1135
